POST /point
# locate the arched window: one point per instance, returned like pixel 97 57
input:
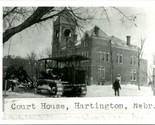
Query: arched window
pixel 67 33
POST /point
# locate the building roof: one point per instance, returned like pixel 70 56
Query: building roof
pixel 121 43
pixel 100 32
pixel 116 42
pixel 65 17
pixel 92 33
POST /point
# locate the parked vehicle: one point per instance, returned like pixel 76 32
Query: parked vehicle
pixel 65 78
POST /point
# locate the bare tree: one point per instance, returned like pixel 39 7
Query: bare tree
pixel 17 19
pixel 152 83
pixel 32 62
pixel 140 53
pixel 109 42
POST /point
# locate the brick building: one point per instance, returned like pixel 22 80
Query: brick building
pixel 110 56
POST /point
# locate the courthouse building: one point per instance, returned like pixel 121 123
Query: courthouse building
pixel 109 55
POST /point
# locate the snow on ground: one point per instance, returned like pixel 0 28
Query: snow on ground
pixel 93 91
pixel 126 90
pixel 23 95
pixel 20 94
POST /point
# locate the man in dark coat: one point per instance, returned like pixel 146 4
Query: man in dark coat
pixel 116 87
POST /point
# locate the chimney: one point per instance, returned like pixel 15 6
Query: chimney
pixel 128 40
pixel 96 30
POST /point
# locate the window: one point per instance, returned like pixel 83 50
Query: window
pixel 87 54
pixel 99 56
pixel 121 58
pixel 133 60
pixel 84 54
pixel 131 78
pixel 133 75
pixel 103 56
pixel 67 33
pixel 101 72
pixel 117 58
pixel 107 57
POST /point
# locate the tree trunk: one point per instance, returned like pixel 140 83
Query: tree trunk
pixel 111 62
pixel 138 73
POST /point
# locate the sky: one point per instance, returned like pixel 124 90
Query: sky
pixel 39 38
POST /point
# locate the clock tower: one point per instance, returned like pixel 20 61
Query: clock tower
pixel 64 36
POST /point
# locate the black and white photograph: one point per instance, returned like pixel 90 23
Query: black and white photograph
pixel 75 52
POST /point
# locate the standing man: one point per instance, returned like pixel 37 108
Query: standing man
pixel 119 78
pixel 116 87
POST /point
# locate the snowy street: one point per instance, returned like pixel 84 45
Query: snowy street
pixel 94 91
pixel 126 90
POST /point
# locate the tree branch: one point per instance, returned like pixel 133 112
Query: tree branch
pixel 121 13
pixel 106 14
pixel 33 19
pixel 9 12
pixel 46 18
